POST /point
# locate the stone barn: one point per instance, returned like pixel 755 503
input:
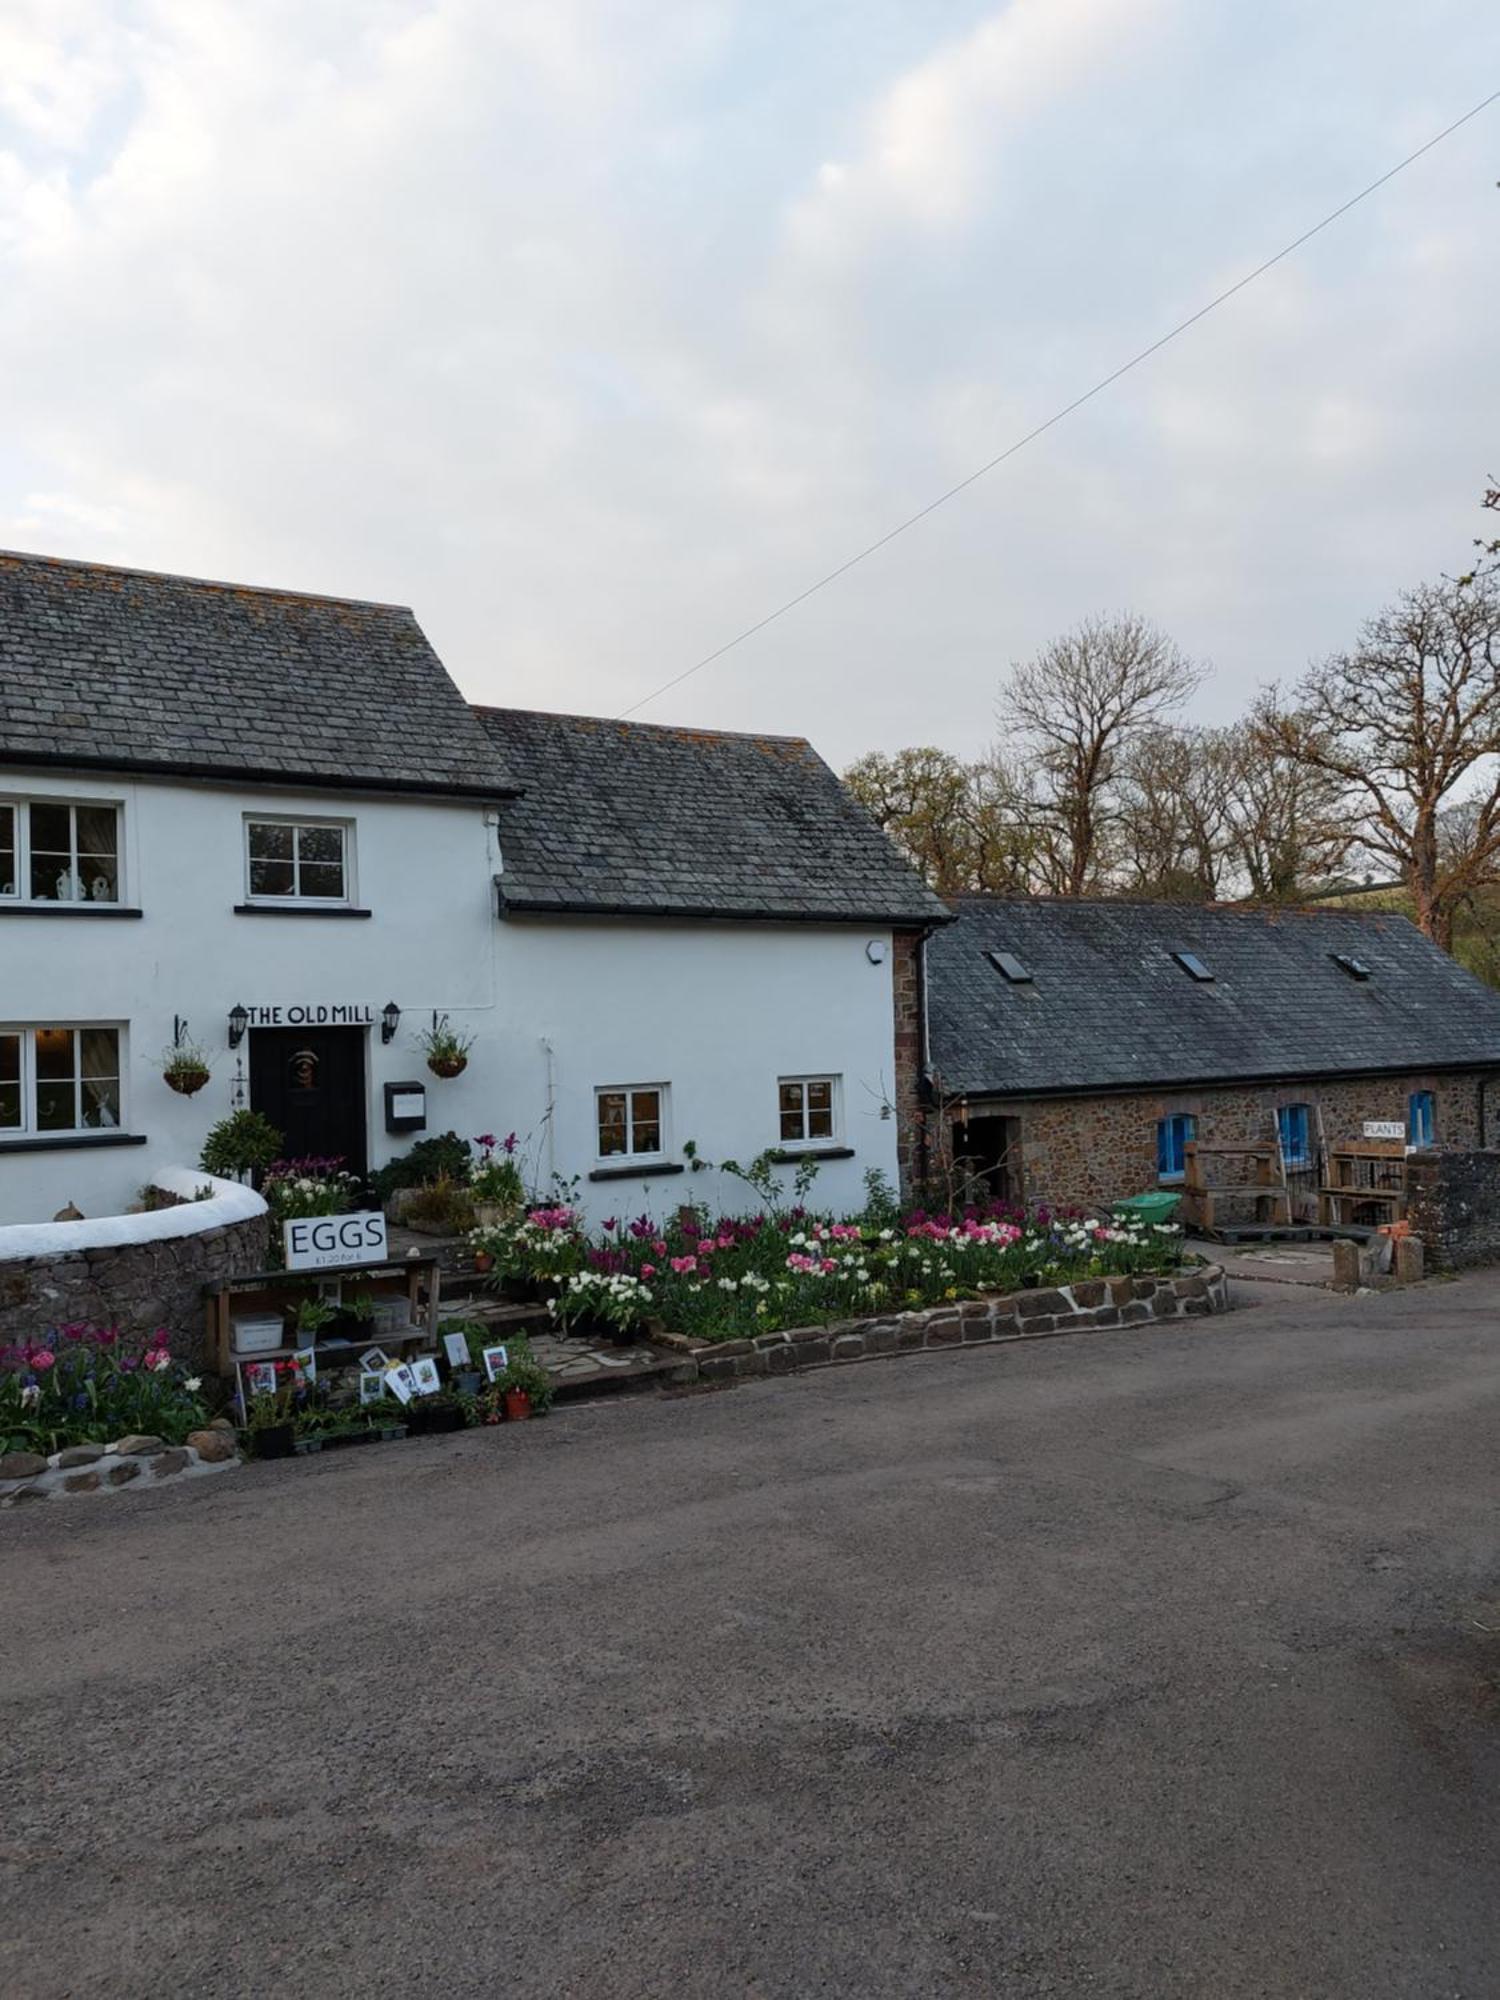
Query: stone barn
pixel 1289 1060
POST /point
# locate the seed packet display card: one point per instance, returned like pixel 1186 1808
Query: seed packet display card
pixel 425 1377
pixel 372 1385
pixel 400 1382
pixel 496 1361
pixel 456 1348
pixel 260 1378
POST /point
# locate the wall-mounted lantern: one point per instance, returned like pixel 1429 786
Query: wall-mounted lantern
pixel 239 1020
pixel 390 1021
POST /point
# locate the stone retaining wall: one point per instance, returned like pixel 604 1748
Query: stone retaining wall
pixel 1078 1308
pixel 139 1283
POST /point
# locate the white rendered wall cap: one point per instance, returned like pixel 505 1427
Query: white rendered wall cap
pixel 229 1202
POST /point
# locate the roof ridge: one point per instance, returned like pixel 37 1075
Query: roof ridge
pixel 1237 908
pixel 641 728
pixel 201 582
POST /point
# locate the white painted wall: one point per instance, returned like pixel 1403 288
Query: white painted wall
pixel 718 1011
pixel 424 869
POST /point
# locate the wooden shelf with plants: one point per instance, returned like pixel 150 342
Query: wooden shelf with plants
pixel 392 1305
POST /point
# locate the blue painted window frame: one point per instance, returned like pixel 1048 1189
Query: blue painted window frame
pixel 1294 1122
pixel 1421 1118
pixel 1172 1135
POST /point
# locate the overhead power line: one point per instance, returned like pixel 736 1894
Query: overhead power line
pixel 1057 416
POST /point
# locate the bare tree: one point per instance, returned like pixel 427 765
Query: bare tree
pixel 1487 563
pixel 1404 721
pixel 1289 823
pixel 1174 813
pixel 1075 709
pixel 954 821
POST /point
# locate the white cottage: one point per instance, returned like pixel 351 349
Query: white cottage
pixel 269 823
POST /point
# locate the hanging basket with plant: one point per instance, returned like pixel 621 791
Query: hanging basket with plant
pixel 445 1047
pixel 184 1068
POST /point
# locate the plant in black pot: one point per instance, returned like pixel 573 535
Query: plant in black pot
pixel 442 1412
pixel 271 1426
pixel 354 1317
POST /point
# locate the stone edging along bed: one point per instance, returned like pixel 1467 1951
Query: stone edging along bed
pixel 1076 1308
pixel 111 1468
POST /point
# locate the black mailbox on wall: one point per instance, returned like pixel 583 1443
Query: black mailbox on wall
pixel 406 1107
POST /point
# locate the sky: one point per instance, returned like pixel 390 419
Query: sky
pixel 596 329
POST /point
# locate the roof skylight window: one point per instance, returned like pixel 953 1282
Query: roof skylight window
pixel 1193 965
pixel 1355 967
pixel 1009 967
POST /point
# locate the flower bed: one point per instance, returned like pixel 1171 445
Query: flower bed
pixel 79 1384
pixel 741 1276
pixel 1131 1300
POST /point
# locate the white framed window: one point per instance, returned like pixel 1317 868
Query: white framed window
pixel 809 1109
pixel 299 860
pixel 631 1120
pixel 58 1081
pixel 59 850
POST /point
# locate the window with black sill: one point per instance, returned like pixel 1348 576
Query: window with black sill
pixel 298 861
pixel 59 851
pixel 58 1082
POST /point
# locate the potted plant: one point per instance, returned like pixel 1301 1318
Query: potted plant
pixel 313 1315
pixel 273 1434
pixel 445 1047
pixel 244 1143
pixel 495 1182
pixel 443 1208
pixel 441 1412
pixel 184 1068
pixel 523 1388
pixel 354 1318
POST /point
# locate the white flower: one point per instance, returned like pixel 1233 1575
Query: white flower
pixel 193 1384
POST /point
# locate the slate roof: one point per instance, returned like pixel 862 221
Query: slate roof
pixel 129 670
pixel 627 818
pixel 1109 1008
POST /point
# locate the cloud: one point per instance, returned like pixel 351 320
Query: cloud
pixel 932 142
pixel 595 331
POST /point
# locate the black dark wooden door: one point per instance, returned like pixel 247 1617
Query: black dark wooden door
pixel 310 1083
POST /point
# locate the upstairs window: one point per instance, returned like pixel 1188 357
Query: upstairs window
pixel 1294 1124
pixel 298 860
pixel 58 1080
pixel 1421 1120
pixel 1172 1136
pixel 808 1107
pixel 59 851
pixel 630 1120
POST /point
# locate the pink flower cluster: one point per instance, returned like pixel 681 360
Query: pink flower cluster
pixel 811 1266
pixel 553 1218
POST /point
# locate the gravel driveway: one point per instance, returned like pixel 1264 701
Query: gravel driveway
pixel 1147 1664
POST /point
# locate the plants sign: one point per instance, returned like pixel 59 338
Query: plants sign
pixel 1384 1128
pixel 324 1242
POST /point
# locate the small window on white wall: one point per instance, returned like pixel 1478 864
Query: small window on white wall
pixel 298 861
pixel 60 850
pixel 809 1109
pixel 631 1120
pixel 59 1080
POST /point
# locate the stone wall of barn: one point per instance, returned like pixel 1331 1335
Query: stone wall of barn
pixel 1455 1207
pixel 1092 1150
pixel 912 1114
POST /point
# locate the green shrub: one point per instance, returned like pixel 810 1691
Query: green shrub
pixel 243 1143
pixel 443 1156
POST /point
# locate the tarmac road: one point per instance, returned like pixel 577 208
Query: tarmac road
pixel 1148 1663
